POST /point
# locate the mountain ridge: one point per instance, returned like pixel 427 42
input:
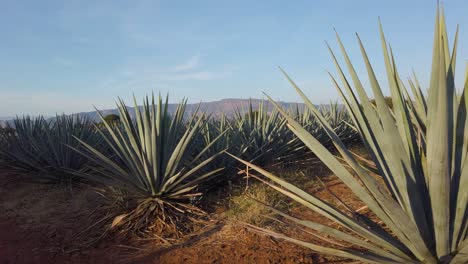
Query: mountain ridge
pixel 228 106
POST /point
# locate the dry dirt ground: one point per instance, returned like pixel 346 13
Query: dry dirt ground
pixel 49 224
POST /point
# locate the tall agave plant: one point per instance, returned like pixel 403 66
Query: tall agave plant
pixel 419 149
pixel 158 159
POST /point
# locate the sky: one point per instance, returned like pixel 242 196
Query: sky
pixel 67 56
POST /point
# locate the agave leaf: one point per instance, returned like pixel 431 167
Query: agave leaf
pixel 347 253
pixel 339 235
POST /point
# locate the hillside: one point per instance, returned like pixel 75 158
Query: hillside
pixel 226 106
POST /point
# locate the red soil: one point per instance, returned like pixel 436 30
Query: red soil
pixel 42 224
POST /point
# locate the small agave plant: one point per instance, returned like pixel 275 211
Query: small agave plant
pixel 420 152
pixel 262 136
pixel 157 162
pixel 335 114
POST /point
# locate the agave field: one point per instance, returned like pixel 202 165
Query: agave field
pixel 160 162
pixel 158 167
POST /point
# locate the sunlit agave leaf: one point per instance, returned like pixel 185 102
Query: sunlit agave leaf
pixel 419 148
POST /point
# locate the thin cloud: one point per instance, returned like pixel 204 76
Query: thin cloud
pixel 63 61
pixel 193 76
pixel 142 78
pixel 146 76
pixel 190 64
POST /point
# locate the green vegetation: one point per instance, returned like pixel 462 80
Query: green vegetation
pixel 263 138
pixel 262 135
pixel 41 148
pixel 112 118
pixel 388 101
pixel 338 118
pixel 247 206
pixel 5 133
pixel 157 165
pixel 159 160
pixel 419 149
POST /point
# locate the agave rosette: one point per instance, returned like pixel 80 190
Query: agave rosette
pixel 156 154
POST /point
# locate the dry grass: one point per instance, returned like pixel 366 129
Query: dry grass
pixel 245 199
pixel 245 208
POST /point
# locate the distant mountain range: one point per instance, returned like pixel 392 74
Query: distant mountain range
pixel 3 118
pixel 216 108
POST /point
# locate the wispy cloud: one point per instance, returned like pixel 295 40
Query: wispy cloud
pixel 143 38
pixel 63 61
pixel 194 76
pixel 190 64
pixel 145 77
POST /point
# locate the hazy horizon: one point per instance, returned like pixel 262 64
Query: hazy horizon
pixel 66 56
pixel 226 106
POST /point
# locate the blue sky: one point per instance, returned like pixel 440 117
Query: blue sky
pixel 65 56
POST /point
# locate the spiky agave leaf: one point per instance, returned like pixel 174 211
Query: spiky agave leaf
pixel 419 149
